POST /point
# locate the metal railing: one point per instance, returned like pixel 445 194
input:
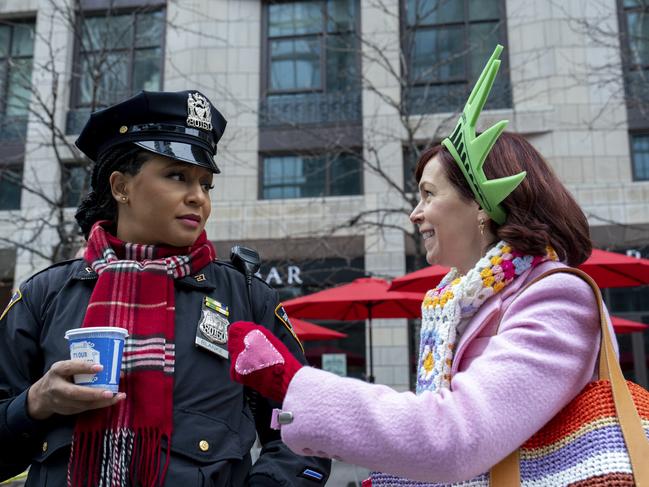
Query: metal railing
pixel 310 108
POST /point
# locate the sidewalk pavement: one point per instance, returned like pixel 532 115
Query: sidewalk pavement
pixel 346 475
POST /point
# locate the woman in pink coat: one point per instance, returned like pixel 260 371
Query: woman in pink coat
pixel 497 359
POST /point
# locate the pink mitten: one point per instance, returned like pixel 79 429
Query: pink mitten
pixel 259 360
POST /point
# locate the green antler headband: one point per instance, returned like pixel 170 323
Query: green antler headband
pixel 470 151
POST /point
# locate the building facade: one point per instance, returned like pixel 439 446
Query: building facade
pixel 328 103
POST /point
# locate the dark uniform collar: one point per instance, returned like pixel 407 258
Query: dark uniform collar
pixel 84 272
pixel 201 280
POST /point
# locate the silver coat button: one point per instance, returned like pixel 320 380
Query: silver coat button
pixel 285 417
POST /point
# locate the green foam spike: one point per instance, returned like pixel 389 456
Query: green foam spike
pixel 470 151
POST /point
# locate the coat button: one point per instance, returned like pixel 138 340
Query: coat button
pixel 44 448
pixel 204 445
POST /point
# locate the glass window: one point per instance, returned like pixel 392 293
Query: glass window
pixel 341 15
pixel 107 79
pixel 437 55
pixel 311 56
pixel 4 69
pixel 636 87
pixel 483 37
pixel 119 55
pixel 484 10
pixel 107 33
pixel 5 35
pixel 432 12
pixel 410 158
pixel 16 54
pixel 345 176
pixel 294 18
pixel 150 29
pixel 75 183
pixel 302 176
pixel 633 3
pixel 640 157
pixel 10 187
pixel 146 72
pixel 295 64
pixel 341 69
pixel 23 40
pixel 18 89
pixel 638 25
pixel 446 43
pixel 307 38
pixel 634 19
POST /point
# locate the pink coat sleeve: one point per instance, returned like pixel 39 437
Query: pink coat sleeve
pixel 543 356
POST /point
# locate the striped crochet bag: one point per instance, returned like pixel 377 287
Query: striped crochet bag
pixel 601 438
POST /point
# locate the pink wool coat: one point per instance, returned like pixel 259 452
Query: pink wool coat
pixel 505 387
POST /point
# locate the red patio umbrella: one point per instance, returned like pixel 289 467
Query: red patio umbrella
pixel 362 299
pixel 608 269
pixel 622 325
pixel 421 280
pixel 307 331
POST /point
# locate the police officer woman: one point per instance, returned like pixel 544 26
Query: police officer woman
pixel 148 267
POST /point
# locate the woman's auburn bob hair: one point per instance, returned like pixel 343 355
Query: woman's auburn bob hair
pixel 540 211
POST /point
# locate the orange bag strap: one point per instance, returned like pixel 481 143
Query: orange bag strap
pixel 507 472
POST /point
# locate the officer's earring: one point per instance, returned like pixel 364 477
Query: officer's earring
pixel 481 225
pixel 124 199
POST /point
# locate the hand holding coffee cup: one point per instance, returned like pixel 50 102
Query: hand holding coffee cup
pixel 99 345
pixel 96 358
pixel 55 393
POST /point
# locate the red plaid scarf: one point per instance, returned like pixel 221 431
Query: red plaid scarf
pixel 122 444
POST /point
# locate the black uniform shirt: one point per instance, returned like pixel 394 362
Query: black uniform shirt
pixel 214 428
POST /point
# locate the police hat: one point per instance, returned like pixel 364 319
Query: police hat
pixel 181 125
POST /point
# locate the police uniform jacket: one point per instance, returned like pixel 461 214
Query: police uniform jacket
pixel 213 422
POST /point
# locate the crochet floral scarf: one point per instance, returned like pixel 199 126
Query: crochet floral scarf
pixel 443 309
pixel 457 298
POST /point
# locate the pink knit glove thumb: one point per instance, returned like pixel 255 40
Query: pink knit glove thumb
pixel 259 360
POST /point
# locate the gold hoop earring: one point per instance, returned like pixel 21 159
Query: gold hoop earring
pixel 481 225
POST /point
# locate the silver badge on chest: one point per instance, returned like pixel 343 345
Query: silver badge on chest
pixel 212 329
pixel 214 326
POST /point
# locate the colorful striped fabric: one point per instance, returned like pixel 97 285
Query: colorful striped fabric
pixel 583 444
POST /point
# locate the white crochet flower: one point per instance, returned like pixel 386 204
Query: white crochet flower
pixel 483 295
pixel 472 284
pixel 484 262
pixel 426 369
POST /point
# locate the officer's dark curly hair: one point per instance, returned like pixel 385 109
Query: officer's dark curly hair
pixel 99 203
